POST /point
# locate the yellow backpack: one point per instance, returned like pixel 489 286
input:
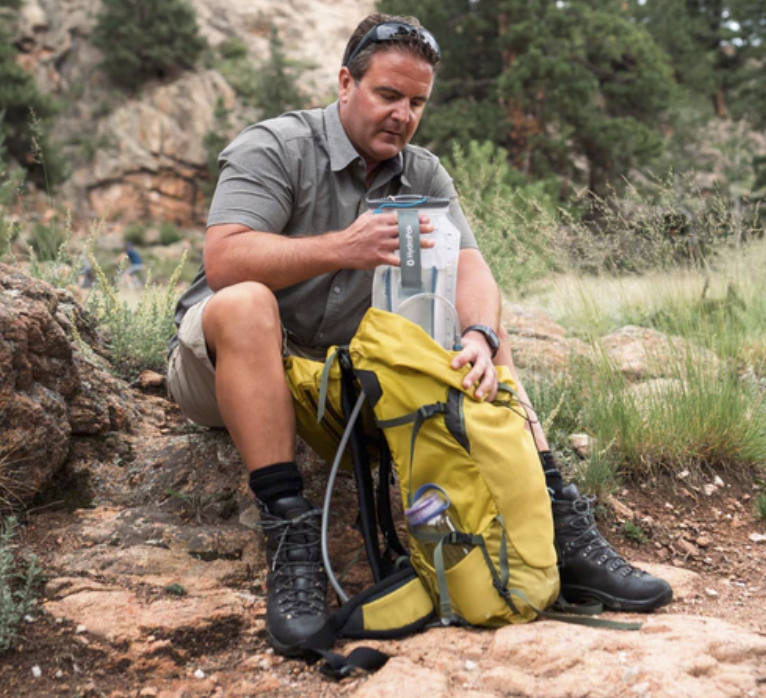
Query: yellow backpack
pixel 480 454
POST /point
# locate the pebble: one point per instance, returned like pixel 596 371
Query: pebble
pixel 712 593
pixel 470 665
pixel 199 674
pixel 37 672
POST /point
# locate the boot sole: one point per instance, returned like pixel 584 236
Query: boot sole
pixel 321 639
pixel 578 594
pixel 285 650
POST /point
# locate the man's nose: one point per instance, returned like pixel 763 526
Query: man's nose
pixel 402 111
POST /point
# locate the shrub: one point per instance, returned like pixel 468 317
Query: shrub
pixel 135 234
pixel 46 240
pixel 18 586
pixel 515 223
pixel 272 87
pixel 24 111
pixel 760 506
pixel 169 233
pixel 142 40
pixel 634 532
pixel 136 337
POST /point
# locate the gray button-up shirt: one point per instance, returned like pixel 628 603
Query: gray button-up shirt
pixel 299 175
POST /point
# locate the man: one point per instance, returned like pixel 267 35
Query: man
pixel 288 262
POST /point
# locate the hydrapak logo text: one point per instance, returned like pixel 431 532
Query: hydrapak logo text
pixel 410 260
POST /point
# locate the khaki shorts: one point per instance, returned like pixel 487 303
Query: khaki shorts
pixel 191 373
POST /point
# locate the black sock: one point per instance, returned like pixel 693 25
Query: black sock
pixel 275 482
pixel 553 480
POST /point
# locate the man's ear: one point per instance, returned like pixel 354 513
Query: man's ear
pixel 345 83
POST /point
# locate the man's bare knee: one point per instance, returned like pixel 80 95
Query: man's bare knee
pixel 244 312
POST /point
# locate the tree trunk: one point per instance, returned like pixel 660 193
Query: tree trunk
pixel 719 104
pixel 521 123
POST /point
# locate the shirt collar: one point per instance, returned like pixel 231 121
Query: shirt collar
pixel 342 151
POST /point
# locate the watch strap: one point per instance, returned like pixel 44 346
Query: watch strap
pixel 489 334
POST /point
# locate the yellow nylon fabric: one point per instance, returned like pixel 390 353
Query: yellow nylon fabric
pixel 501 475
pixel 304 377
pixel 399 608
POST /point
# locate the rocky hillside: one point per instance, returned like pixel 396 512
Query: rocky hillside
pixel 143 157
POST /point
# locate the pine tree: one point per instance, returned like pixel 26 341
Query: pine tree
pixel 276 89
pixel 26 111
pixel 717 48
pixel 551 82
pixel 143 39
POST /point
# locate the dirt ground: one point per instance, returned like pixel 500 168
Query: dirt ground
pixel 710 528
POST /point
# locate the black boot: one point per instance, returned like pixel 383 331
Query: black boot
pixel 296 604
pixel 590 569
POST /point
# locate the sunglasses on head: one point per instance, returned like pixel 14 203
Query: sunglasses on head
pixel 394 31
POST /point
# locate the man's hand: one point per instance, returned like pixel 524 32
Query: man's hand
pixel 477 352
pixel 373 238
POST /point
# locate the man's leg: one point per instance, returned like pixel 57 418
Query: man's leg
pixel 589 567
pixel 244 337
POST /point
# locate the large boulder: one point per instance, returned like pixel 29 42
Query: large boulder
pixel 50 390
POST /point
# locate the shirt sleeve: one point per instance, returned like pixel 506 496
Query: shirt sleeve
pixel 254 187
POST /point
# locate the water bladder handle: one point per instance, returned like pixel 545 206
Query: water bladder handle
pixel 409 250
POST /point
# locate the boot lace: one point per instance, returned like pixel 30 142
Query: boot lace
pixel 297 575
pixel 590 543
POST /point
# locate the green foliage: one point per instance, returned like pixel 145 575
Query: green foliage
pixel 760 506
pixel 716 49
pixel 9 185
pixel 136 337
pixel 634 532
pixel 272 87
pixel 235 64
pixel 19 580
pixel 552 83
pixel 142 40
pixel 135 234
pixel 169 233
pixel 25 113
pixel 215 140
pixel 50 258
pixel 512 226
pixel 675 224
pixel 47 239
pixel 277 90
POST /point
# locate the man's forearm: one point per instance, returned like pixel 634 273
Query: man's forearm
pixel 234 254
pixel 477 298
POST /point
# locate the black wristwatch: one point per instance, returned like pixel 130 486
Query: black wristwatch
pixel 489 335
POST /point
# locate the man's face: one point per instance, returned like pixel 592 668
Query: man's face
pixel 382 111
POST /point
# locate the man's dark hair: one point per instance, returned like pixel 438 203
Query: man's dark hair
pixel 412 45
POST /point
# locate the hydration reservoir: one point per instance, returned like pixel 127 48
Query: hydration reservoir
pixel 423 288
